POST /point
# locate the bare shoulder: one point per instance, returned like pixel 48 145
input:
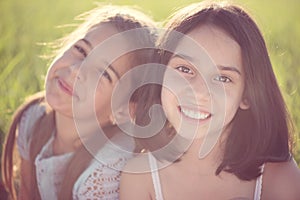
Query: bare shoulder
pixel 281 181
pixel 136 180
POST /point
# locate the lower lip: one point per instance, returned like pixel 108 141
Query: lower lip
pixel 63 88
pixel 193 120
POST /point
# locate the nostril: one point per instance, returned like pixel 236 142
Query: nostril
pixel 80 76
pixel 75 71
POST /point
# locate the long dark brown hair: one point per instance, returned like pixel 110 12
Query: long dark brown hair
pixel 259 134
pixel 8 151
pixel 123 19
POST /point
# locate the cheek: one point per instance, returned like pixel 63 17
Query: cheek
pixel 232 104
pixel 102 97
pixel 168 100
pixel 102 108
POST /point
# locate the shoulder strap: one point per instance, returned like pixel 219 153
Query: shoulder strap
pixel 258 186
pixel 155 177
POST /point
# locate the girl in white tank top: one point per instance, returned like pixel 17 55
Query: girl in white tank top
pixel 222 103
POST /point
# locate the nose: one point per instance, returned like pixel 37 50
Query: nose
pixel 75 71
pixel 201 89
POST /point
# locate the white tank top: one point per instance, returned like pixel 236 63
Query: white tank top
pixel 157 185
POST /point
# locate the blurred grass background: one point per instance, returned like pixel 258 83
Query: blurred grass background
pixel 26 25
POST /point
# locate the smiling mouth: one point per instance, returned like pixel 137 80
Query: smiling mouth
pixel 194 114
pixel 65 87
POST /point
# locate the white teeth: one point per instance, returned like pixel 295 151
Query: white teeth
pixel 194 114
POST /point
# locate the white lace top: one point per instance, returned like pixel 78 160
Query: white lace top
pixel 99 181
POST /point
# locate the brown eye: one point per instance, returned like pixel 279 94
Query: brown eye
pixel 106 75
pixel 184 69
pixel 80 50
pixel 223 79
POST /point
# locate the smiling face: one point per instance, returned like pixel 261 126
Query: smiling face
pixel 93 80
pixel 214 85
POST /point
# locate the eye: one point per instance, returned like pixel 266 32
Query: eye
pixel 80 50
pixel 106 75
pixel 184 69
pixel 223 79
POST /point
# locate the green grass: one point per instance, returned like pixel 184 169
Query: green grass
pixel 25 26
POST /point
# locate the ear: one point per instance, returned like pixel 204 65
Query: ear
pixel 112 119
pixel 123 114
pixel 244 105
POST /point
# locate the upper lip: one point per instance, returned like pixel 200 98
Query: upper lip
pixel 66 86
pixel 195 112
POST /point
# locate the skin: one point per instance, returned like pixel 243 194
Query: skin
pixel 227 75
pixel 192 177
pixel 67 83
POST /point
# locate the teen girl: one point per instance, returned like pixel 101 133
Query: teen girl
pixel 235 82
pixel 54 162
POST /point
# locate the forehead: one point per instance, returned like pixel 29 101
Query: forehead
pixel 220 47
pixel 100 33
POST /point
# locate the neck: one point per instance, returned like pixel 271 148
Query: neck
pixel 211 154
pixel 67 138
pixel 198 145
pixel 66 134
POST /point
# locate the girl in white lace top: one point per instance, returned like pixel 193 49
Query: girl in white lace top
pixel 227 129
pixel 62 133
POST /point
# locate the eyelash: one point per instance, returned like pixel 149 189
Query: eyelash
pixel 184 69
pixel 220 78
pixel 223 79
pixel 80 50
pixel 106 75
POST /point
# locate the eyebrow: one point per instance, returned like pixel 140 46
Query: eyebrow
pixel 229 68
pixel 183 56
pixel 221 67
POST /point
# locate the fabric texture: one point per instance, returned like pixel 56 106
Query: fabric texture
pixel 99 181
pixel 28 119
